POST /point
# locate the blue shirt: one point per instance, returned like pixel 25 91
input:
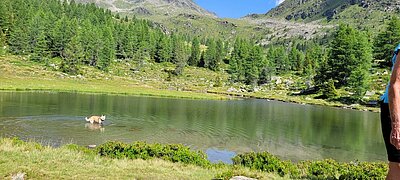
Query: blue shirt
pixel 385 97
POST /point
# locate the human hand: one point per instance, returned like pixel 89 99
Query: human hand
pixel 395 138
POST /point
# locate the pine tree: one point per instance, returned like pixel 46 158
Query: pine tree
pixel 281 60
pixel 251 65
pixel 142 55
pixel 108 51
pixel 349 60
pixel 386 41
pixel 328 89
pixel 19 39
pixel 72 56
pixel 235 61
pixel 194 59
pixel 180 57
pixel 40 51
pixel 210 56
pixel 60 36
pixel 220 52
pixel 349 49
pixel 2 43
pixel 163 50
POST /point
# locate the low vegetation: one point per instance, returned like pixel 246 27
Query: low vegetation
pixel 325 169
pixel 74 162
pixel 153 161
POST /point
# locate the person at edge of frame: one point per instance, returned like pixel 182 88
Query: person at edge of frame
pixel 390 118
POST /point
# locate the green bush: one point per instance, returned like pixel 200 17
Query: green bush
pixel 266 162
pixel 142 150
pixel 78 148
pixel 325 169
pixel 330 169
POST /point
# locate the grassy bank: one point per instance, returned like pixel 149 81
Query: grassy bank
pixel 19 74
pixel 139 160
pixel 38 162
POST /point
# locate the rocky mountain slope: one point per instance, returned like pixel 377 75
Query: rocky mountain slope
pixel 317 9
pixel 152 7
pixel 183 16
pixel 292 18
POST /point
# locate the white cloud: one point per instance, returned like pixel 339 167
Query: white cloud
pixel 279 2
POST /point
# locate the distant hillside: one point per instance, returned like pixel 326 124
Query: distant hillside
pixel 316 9
pixel 183 16
pixel 317 18
pixel 152 7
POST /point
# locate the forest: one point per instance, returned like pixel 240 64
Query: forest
pixel 85 35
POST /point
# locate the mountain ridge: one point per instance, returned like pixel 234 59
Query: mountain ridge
pixel 152 7
pixel 310 10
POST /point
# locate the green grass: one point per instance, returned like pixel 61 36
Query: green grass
pixel 17 74
pixel 38 162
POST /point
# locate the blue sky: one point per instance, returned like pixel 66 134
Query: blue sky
pixel 237 8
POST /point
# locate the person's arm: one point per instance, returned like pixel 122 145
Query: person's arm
pixel 394 103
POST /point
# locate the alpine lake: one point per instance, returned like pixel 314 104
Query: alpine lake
pixel 221 129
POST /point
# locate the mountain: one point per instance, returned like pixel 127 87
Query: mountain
pixel 310 10
pixel 317 18
pixel 183 16
pixel 152 7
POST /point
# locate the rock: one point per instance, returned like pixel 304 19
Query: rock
pixel 142 11
pixel 231 89
pixel 256 89
pixel 277 79
pixel 92 146
pixel 370 93
pixel 18 176
pixel 385 73
pixel 241 178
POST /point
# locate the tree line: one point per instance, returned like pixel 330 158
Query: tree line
pixel 83 34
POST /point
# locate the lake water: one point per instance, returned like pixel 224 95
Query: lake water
pixel 219 128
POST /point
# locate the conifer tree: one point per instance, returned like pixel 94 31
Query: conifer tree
pixel 142 55
pixel 163 50
pixel 210 56
pixel 386 41
pixel 251 65
pixel 313 58
pixel 349 49
pixel 234 62
pixel 60 36
pixel 194 59
pixel 349 60
pixel 220 52
pixel 108 51
pixel 73 56
pixel 280 59
pixel 180 57
pixel 19 39
pixel 40 51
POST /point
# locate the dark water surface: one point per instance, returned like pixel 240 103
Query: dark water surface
pixel 219 128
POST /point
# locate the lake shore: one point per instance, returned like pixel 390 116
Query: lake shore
pixel 17 74
pixel 34 161
pixel 118 160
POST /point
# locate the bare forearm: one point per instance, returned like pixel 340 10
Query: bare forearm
pixel 394 104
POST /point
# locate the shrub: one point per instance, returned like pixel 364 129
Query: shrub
pixel 325 169
pixel 266 162
pixel 330 169
pixel 170 152
pixel 78 148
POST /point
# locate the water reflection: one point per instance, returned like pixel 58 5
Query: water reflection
pixel 95 127
pixel 291 131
